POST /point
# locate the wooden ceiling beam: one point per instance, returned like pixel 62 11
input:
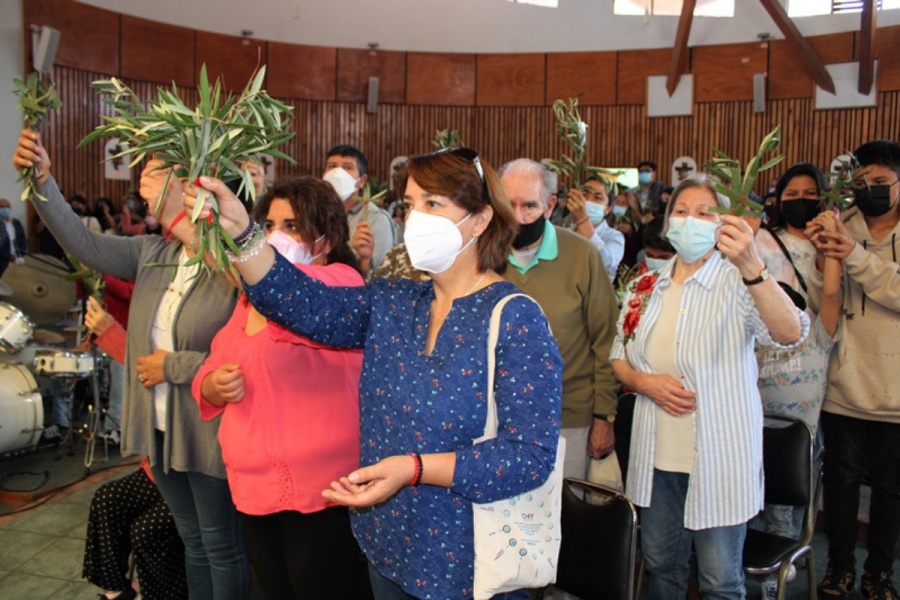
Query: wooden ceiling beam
pixel 867 47
pixel 680 51
pixel 793 36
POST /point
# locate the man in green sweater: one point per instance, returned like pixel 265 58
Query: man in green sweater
pixel 564 273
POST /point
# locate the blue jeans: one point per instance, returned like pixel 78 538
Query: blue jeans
pixel 667 546
pixel 214 554
pixel 385 589
pixel 116 381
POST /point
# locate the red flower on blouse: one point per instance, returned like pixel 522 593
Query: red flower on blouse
pixel 642 288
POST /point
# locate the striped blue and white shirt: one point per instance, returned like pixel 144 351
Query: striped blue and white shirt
pixel 717 326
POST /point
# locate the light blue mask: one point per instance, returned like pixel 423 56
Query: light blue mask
pixel 5 212
pixel 691 237
pixel 619 211
pixel 645 177
pixel 595 212
pixel 656 264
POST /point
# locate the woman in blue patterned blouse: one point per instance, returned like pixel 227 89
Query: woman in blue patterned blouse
pixel 423 385
pixel 685 346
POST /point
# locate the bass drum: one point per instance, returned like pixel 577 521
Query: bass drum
pixel 21 410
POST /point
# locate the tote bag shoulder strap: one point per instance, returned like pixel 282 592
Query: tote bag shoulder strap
pixel 490 427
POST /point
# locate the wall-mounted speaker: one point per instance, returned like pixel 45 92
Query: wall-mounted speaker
pixel 373 95
pixel 44 42
pixel 759 92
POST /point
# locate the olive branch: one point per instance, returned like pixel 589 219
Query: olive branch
pixel 446 139
pixel 738 189
pixel 37 99
pixel 843 179
pixel 91 280
pixel 212 139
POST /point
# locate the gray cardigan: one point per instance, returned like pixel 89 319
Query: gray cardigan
pixel 191 444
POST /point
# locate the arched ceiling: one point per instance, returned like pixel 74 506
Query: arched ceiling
pixel 471 26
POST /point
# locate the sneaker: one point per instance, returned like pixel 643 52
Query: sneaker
pixel 838 583
pixel 770 589
pixel 111 437
pixel 877 586
pixel 791 574
pixel 51 432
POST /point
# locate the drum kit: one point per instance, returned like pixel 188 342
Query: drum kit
pixel 37 293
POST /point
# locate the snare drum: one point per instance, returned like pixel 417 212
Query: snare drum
pixel 15 328
pixel 63 363
pixel 21 409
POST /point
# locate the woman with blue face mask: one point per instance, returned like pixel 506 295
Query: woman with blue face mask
pixel 289 409
pixel 685 346
pixel 627 217
pixel 423 389
pixel 588 210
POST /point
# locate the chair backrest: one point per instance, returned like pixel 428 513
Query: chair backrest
pixel 788 462
pixel 597 555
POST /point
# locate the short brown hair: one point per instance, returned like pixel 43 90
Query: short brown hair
pixel 448 173
pixel 317 210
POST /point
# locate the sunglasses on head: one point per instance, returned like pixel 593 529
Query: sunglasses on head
pixel 468 155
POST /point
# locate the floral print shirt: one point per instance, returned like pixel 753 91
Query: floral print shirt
pixel 422 538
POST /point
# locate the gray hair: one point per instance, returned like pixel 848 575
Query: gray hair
pixel 526 166
pixel 695 181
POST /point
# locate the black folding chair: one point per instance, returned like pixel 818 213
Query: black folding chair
pixel 792 478
pixel 597 554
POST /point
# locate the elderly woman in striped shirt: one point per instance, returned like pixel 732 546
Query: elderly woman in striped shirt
pixel 685 346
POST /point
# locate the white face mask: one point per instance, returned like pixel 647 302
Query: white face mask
pixel 433 242
pixel 291 249
pixel 342 182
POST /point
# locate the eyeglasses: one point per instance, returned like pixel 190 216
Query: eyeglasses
pixel 468 155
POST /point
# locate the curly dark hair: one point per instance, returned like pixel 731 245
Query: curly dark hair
pixel 317 210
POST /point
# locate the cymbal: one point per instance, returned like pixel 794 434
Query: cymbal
pixel 39 288
pixel 45 337
pixel 75 328
pixel 6 289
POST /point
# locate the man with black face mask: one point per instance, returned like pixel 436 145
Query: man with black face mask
pixel 564 273
pixel 861 412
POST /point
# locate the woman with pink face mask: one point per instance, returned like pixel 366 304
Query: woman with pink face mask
pixel 290 409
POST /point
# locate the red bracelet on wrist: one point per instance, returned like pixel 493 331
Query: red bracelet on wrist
pixel 578 223
pixel 417 478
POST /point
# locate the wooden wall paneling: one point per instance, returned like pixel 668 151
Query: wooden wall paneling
pixel 591 73
pixel 354 67
pixel 302 72
pixel 787 77
pixel 89 37
pixel 633 68
pixel 440 79
pixel 154 51
pixel 887 51
pixel 511 79
pixel 232 58
pixel 725 72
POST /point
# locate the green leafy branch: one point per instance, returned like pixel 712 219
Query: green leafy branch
pixel 843 179
pixel 738 189
pixel 446 139
pixel 37 99
pixel 368 198
pixel 573 131
pixel 91 280
pixel 212 139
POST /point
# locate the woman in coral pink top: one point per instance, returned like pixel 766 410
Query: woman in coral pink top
pixel 290 410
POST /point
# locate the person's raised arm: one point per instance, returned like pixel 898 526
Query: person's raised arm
pixel 776 309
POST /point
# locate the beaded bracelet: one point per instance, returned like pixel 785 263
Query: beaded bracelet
pixel 578 224
pixel 245 235
pixel 417 478
pixel 248 251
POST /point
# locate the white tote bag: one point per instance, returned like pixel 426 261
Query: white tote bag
pixel 517 539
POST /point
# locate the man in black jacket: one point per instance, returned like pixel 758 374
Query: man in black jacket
pixel 13 243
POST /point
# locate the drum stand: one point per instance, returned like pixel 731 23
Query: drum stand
pixel 97 416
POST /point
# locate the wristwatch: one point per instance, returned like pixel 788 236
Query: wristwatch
pixel 763 275
pixel 607 418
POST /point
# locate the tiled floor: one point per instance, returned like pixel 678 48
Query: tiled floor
pixel 41 550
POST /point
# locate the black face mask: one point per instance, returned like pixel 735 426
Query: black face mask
pixel 797 213
pixel 769 209
pixel 78 211
pixel 529 233
pixel 874 200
